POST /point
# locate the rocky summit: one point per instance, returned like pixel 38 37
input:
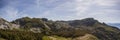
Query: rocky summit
pixel 27 28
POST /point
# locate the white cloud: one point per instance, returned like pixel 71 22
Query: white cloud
pixel 106 2
pixel 79 9
pixel 102 10
pixel 99 9
pixel 9 13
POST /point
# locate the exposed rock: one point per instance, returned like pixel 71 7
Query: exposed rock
pixel 7 25
pixel 85 29
pixel 35 30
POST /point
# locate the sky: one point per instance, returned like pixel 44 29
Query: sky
pixel 103 10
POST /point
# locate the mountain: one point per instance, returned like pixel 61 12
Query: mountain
pixel 44 29
pixel 114 24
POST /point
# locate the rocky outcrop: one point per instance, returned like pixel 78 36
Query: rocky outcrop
pixel 7 25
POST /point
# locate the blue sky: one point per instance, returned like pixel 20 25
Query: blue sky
pixel 102 10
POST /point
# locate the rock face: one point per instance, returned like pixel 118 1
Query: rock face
pixel 7 25
pixel 87 29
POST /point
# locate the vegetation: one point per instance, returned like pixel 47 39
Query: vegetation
pixel 44 29
pixel 19 35
pixel 55 38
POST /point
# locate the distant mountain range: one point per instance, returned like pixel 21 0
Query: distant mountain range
pixel 114 24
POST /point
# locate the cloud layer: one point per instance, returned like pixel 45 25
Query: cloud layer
pixel 103 10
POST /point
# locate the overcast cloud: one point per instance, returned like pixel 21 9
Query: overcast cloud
pixel 102 10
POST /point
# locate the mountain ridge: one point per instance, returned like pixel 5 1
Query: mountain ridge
pixel 114 24
pixel 67 29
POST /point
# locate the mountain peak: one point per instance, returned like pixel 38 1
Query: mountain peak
pixel 85 22
pixel 88 19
